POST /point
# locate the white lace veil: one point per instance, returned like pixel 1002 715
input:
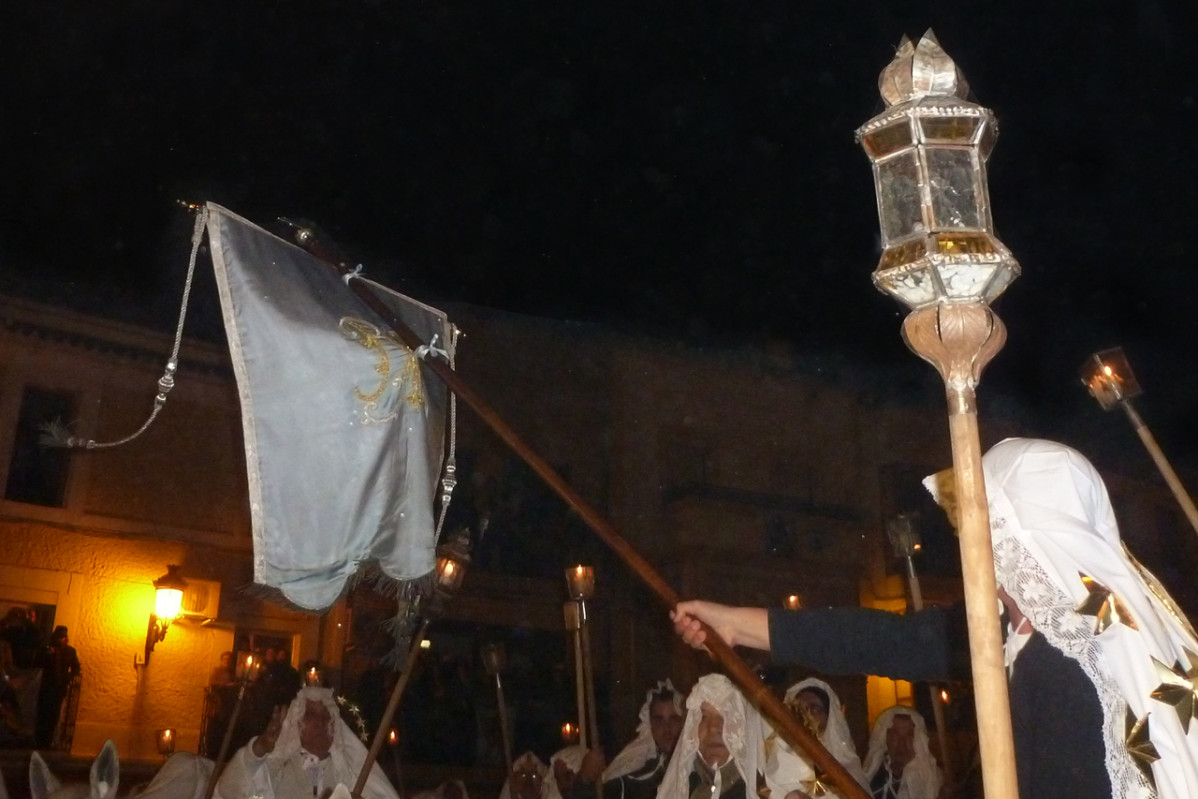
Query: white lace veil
pixel 921 777
pixel 347 753
pixel 641 748
pixel 742 736
pixel 836 737
pixel 1051 522
pixel 549 788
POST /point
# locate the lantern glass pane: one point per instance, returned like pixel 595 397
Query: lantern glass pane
pixel 1002 279
pixel 898 197
pixel 888 139
pixel 954 196
pixel 954 129
pixel 967 280
pixel 915 288
pixel 986 145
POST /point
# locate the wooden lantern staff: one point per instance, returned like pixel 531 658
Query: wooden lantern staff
pixel 959 340
pixel 946 760
pixel 755 691
pixel 392 705
pixel 573 617
pixel 505 725
pixel 223 755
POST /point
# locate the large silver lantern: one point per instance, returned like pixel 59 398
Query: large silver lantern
pixel 929 150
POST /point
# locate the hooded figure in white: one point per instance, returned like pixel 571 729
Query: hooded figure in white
pixel 1058 555
pixel 533 779
pixel 743 732
pixel 644 748
pixel 835 735
pixel 920 777
pixel 288 770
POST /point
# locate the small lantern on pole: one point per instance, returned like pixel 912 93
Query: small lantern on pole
pixel 165 742
pixel 580 585
pixel 941 259
pixel 453 557
pixel 1109 378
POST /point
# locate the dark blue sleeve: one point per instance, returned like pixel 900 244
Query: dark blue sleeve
pixel 916 646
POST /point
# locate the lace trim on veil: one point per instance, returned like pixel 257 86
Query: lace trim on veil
pixel 1053 614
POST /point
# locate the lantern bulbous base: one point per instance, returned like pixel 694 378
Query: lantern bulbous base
pixel 959 339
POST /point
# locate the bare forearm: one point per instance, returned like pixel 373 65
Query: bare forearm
pixel 737 626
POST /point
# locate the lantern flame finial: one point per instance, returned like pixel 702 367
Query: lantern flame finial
pixel 921 70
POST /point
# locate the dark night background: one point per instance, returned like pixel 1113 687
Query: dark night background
pixel 674 169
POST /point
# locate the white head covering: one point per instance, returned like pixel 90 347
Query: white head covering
pixel 1051 521
pixel 642 748
pixel 921 777
pixel 743 727
pixel 347 753
pixel 548 783
pixel 836 737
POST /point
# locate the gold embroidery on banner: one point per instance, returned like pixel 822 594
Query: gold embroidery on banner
pixel 398 370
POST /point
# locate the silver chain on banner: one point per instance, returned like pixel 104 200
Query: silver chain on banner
pixel 449 478
pixel 56 434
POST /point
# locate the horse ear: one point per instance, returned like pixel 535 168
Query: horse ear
pixel 340 792
pixel 106 772
pixel 41 782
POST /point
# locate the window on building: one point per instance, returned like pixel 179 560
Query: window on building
pixel 37 474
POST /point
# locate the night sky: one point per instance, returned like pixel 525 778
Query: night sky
pixel 684 170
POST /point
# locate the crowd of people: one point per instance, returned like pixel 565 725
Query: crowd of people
pixel 37 678
pixel 713 744
pixel 1100 665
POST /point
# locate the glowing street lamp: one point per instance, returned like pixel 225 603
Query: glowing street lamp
pixel 941 259
pixel 168 604
pixel 1109 378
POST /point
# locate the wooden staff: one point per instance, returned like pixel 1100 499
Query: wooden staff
pixel 755 691
pixel 227 738
pixel 1162 464
pixel 392 706
pixel 959 340
pixel 573 614
pixel 505 726
pixel 937 704
pixel 588 671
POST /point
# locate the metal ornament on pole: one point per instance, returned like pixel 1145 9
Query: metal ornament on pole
pixel 1109 378
pixel 905 542
pixel 941 258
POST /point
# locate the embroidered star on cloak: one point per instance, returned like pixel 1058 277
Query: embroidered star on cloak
pixel 815 788
pixel 1178 688
pixel 1104 606
pixel 1140 747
